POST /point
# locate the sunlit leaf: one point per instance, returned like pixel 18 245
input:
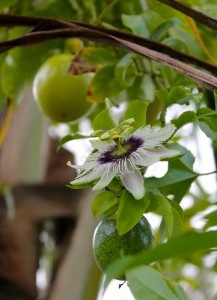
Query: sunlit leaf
pixel 137 110
pixel 184 118
pixel 149 282
pixel 103 121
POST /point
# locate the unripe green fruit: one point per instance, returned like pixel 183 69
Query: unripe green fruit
pixel 109 246
pixel 60 95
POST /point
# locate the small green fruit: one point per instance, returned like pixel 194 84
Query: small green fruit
pixel 61 96
pixel 109 246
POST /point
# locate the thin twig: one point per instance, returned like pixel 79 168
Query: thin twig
pixel 196 15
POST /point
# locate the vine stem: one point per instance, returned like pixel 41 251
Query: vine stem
pixel 209 173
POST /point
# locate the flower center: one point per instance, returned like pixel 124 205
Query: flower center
pixel 121 151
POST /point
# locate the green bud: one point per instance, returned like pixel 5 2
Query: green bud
pixel 105 136
pixel 128 121
pixel 97 133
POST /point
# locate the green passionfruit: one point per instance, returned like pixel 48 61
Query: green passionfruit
pixel 109 246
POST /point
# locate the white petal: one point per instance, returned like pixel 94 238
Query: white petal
pixel 163 153
pixel 134 183
pixel 150 156
pixel 143 132
pixel 163 133
pixel 104 181
pixel 146 158
pixel 86 166
pixel 101 146
pixel 154 136
pixel 87 177
pixel 89 165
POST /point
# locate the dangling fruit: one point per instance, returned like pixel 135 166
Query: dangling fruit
pixel 60 95
pixel 109 246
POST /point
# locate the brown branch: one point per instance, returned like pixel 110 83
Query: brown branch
pixel 129 43
pixel 204 79
pixel 49 24
pixel 200 77
pixel 196 15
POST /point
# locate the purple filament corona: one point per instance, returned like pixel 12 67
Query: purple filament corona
pixel 130 145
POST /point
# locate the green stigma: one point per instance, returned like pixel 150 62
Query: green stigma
pixel 117 134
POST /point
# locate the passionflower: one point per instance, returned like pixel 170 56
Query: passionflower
pixel 124 158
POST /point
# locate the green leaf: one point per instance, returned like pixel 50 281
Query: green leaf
pixel 103 121
pixel 211 219
pixel 125 70
pixel 184 118
pixel 162 95
pixel 104 85
pixel 184 162
pixel 185 244
pixel 102 202
pixel 205 112
pixel 137 24
pixel 209 127
pixel 177 227
pixel 149 282
pixel 207 120
pixel 79 186
pixel 6 3
pixel 163 28
pixel 131 7
pixel 152 19
pixel 177 222
pixel 97 56
pixel 130 211
pixel 168 73
pixel 177 44
pixel 166 210
pixel 178 178
pixel 71 137
pixel 175 182
pixel 179 94
pixel 142 88
pixel 137 110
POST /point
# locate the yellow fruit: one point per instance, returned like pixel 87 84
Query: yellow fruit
pixel 60 95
